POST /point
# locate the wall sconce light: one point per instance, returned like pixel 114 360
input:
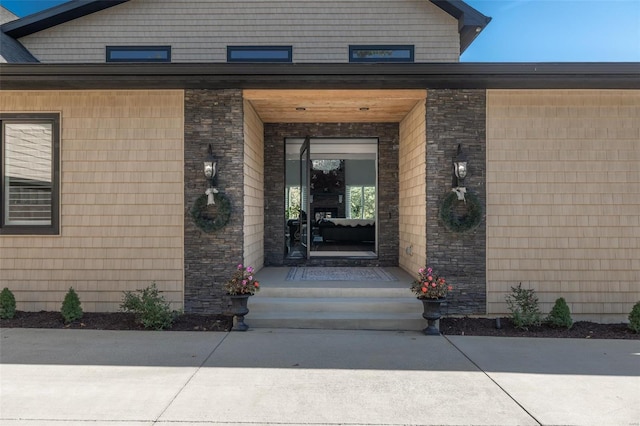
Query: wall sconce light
pixel 210 166
pixel 459 168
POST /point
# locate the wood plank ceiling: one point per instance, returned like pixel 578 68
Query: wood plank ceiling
pixel 333 106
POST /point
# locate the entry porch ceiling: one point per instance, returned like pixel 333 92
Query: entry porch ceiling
pixel 333 106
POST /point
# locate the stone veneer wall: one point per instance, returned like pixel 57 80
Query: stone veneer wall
pixel 387 133
pixel 212 117
pixel 457 117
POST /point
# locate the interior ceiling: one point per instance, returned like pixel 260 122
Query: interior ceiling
pixel 333 106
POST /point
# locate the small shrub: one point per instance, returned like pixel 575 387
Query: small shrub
pixel 560 315
pixel 7 304
pixel 634 318
pixel 71 309
pixel 523 305
pixel 150 308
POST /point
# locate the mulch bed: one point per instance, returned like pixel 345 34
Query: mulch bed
pixel 580 330
pixel 114 321
pixel 195 322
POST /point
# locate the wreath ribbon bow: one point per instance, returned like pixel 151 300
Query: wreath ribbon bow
pixel 460 191
pixel 211 195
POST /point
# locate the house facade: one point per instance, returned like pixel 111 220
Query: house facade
pixel 351 111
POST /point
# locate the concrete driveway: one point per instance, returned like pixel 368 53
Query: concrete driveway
pixel 313 377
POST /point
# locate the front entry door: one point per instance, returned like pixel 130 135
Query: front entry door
pixel 335 185
pixel 303 218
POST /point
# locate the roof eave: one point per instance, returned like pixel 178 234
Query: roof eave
pixel 55 16
pixel 321 76
pixel 470 21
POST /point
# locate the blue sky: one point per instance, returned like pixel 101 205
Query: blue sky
pixel 526 30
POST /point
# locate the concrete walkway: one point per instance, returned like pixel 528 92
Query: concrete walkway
pixel 313 377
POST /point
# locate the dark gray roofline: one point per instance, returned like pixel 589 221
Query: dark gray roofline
pixel 321 76
pixel 470 21
pixel 55 16
pixel 13 51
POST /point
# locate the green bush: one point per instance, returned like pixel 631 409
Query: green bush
pixel 560 315
pixel 523 305
pixel 634 318
pixel 150 308
pixel 71 309
pixel 7 304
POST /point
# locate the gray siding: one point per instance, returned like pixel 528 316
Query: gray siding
pixel 199 31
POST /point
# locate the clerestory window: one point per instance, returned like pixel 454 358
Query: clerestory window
pixel 259 54
pixel 138 53
pixel 381 53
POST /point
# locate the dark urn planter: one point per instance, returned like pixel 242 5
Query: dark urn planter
pixel 431 314
pixel 239 310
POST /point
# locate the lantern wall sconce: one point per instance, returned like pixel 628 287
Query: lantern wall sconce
pixel 459 168
pixel 210 166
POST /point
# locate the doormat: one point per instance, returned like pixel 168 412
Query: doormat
pixel 339 274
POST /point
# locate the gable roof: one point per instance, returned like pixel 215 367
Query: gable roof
pixel 470 21
pixel 55 16
pixel 11 50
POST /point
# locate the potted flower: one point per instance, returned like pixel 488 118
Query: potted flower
pixel 241 285
pixel 432 290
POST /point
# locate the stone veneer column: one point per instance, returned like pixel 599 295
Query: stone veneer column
pixel 212 117
pixel 457 117
pixel 387 133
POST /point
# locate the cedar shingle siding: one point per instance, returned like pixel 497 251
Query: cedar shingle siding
pixel 200 31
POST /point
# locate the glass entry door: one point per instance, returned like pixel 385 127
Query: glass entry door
pixel 305 161
pixel 334 183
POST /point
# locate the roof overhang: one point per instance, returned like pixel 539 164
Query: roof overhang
pixel 55 16
pixel 470 21
pixel 321 76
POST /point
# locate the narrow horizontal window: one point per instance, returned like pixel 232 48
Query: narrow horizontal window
pixel 381 53
pixel 138 53
pixel 259 54
pixel 29 171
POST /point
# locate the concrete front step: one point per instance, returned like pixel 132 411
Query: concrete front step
pixel 336 292
pixel 372 305
pixel 339 305
pixel 336 313
pixel 336 320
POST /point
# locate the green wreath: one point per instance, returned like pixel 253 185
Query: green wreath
pixel 464 223
pixel 211 221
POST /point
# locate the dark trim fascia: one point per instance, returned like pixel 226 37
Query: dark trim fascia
pixel 466 75
pixel 13 51
pixel 470 21
pixel 55 16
